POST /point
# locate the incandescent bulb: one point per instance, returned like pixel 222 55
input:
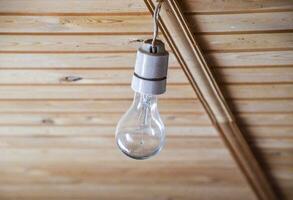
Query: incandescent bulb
pixel 140 132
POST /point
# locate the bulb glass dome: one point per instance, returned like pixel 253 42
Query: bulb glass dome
pixel 140 133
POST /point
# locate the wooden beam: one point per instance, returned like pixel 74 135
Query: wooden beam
pixel 180 38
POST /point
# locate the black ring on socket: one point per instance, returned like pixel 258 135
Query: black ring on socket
pixel 149 79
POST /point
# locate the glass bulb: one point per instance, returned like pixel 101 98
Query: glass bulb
pixel 140 133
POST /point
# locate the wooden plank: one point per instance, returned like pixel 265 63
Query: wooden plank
pixel 269 106
pixel 125 191
pixel 269 131
pixel 179 35
pixel 219 6
pixel 102 142
pixel 126 60
pixel 277 157
pixel 262 75
pixel 165 106
pixel 143 24
pixel 263 106
pixel 271 91
pixel 102 43
pixel 256 119
pixel 283 173
pixel 92 131
pixel 73 60
pixel 106 119
pixel 86 92
pixel 76 6
pixel 76 24
pixel 275 143
pixel 246 42
pixel 95 119
pixel 245 22
pixel 89 76
pixel 38 172
pixel 133 6
pixel 204 156
pixel 250 59
pixel 184 131
pixel 130 6
pixel 270 146
pixel 71 43
pixel 100 174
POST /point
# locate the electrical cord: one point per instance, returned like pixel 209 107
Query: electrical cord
pixel 155 23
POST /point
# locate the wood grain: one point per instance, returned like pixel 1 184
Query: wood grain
pixel 219 6
pixel 184 131
pixel 250 59
pixel 257 91
pixel 107 119
pixel 245 22
pixel 72 60
pixel 95 119
pixel 203 156
pixel 165 106
pixel 259 119
pixel 98 191
pixel 86 92
pixel 134 6
pixel 105 142
pixel 100 24
pixel 269 106
pixel 71 43
pixel 102 43
pixel 126 60
pixel 92 76
pixel 246 42
pixel 76 24
pixel 77 7
pixel 271 91
pixel 269 132
pixel 280 143
pixel 94 131
pixel 262 75
pixel 265 106
pixel 270 146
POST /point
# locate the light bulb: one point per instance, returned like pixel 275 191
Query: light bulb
pixel 140 132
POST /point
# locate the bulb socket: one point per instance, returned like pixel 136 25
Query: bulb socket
pixel 151 67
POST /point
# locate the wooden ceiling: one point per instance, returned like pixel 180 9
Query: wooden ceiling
pixel 65 70
pixel 243 45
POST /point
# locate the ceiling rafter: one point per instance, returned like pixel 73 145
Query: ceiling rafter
pixel 181 40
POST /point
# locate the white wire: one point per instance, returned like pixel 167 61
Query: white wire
pixel 155 22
